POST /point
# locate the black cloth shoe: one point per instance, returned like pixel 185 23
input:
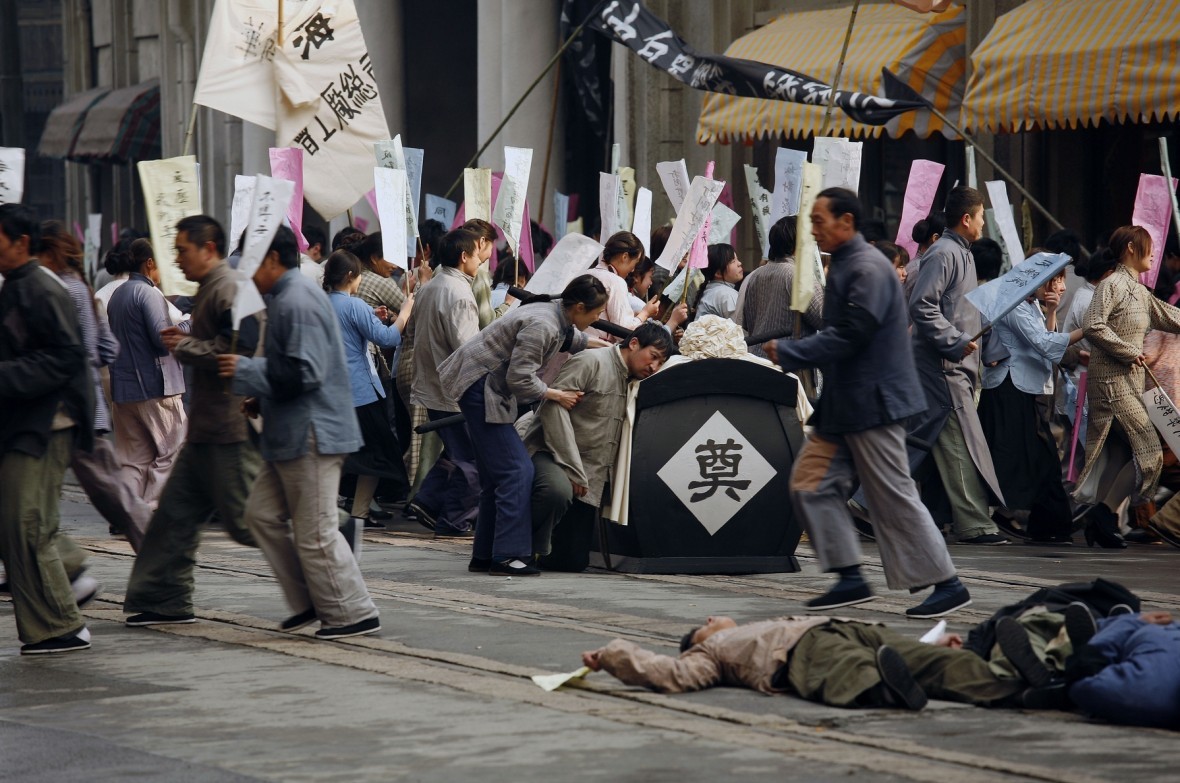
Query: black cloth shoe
pixel 1017 648
pixel 1118 609
pixel 297 621
pixel 371 524
pixel 479 565
pixel 517 566
pixel 984 539
pixel 1142 535
pixel 60 644
pixel 1079 624
pixel 379 514
pixel 363 628
pixel 898 680
pixel 842 596
pixel 425 517
pixel 445 531
pixel 1009 526
pixel 151 618
pixel 1054 696
pixel 941 602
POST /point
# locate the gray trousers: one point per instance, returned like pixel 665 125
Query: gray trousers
pixel 964 486
pixel 293 516
pixel 913 552
pixel 100 474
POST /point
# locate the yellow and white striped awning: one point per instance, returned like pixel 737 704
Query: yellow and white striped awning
pixel 1061 63
pixel 928 52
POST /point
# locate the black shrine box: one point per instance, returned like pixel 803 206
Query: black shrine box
pixel 712 449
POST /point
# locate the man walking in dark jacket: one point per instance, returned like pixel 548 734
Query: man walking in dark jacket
pixel 870 389
pixel 46 411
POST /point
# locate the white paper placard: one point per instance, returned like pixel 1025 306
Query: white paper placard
pixel 1163 414
pixel 572 255
pixel 998 193
pixel 391 186
pixel 441 209
pixel 609 186
pixel 268 208
pixel 805 247
pixel 788 183
pixel 239 211
pixel 561 213
pixel 477 194
pixel 12 175
pixel 642 225
pixel 698 205
pixel 840 160
pixel 674 177
pixel 722 223
pixel 93 243
pixel 760 207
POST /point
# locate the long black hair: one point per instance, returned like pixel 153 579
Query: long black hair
pixel 720 255
pixel 341 266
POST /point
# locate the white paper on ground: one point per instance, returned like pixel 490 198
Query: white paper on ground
pixel 934 634
pixel 552 682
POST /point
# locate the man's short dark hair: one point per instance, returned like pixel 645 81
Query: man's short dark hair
pixel 989 257
pixel 653 334
pixel 285 245
pixel 782 237
pixel 1065 241
pixel 431 231
pixel 686 640
pixel 315 236
pixel 202 229
pixel 338 241
pixel 455 243
pixel 17 220
pixel 962 200
pixel 843 201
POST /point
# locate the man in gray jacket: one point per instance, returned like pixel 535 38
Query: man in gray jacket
pixel 309 426
pixel 947 358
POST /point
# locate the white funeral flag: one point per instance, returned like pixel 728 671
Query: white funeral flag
pixel 170 192
pixel 760 207
pixel 609 186
pixel 805 274
pixel 642 225
pixel 239 211
pixel 477 194
pixel 674 177
pixel 12 175
pixel 93 243
pixel 391 187
pixel 561 213
pixel 247 299
pixel 722 223
pixel 328 103
pixel 237 69
pixel 998 193
pixel 508 213
pixel 696 208
pixel 840 160
pixel 441 209
pixel 788 183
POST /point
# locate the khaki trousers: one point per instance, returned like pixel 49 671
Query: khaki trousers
pixel 292 514
pixel 964 487
pixel 148 436
pixel 39 558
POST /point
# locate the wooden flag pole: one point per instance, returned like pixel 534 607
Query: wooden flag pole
pixel 279 32
pixel 823 131
pixel 549 145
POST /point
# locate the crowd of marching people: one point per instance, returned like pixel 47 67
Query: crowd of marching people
pixel 301 427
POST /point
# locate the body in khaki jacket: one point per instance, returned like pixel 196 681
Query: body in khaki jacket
pixel 746 656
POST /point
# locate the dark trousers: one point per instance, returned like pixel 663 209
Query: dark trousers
pixel 451 489
pixel 563 527
pixel 504 528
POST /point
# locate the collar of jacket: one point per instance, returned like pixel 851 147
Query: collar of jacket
pixel 21 271
pixel 854 245
pixel 284 281
pixel 957 237
pixel 454 271
pixel 137 277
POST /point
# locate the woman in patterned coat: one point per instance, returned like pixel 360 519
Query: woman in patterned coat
pixel 1123 455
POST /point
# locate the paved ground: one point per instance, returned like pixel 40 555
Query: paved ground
pixel 443 693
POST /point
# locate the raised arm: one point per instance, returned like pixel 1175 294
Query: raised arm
pixel 693 671
pixel 1096 323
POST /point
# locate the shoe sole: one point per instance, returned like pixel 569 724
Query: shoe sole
pixel 1079 625
pixel 145 623
pixel 943 613
pixel 842 604
pixel 422 517
pixel 55 652
pixel 896 676
pixel 1166 536
pixel 1017 648
pixel 334 637
pixel 513 573
pixel 983 543
pixel 303 624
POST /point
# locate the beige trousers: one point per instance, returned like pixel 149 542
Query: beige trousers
pixel 148 436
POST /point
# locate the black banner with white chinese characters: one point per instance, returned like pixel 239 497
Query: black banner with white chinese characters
pixel 650 37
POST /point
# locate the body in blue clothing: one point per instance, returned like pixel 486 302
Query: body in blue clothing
pixel 359 326
pixel 1140 685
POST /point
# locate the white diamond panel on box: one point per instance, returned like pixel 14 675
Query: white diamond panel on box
pixel 716 472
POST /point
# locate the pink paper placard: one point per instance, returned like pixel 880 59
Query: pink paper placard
pixel 919 198
pixel 1153 211
pixel 287 163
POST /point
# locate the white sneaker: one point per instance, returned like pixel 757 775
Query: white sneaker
pixel 85 589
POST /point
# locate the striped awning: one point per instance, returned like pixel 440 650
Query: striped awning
pixel 65 123
pixel 928 52
pixel 1064 63
pixel 122 127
